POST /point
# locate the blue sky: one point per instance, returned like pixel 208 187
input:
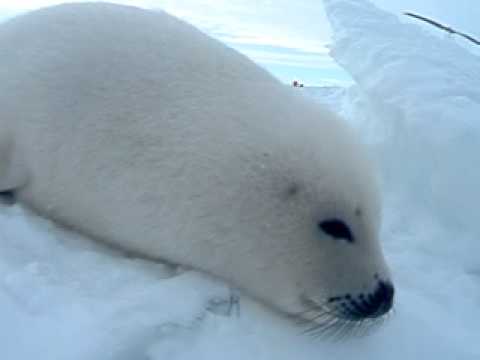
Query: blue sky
pixel 287 37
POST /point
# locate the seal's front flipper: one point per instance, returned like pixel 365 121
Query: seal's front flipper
pixel 7 197
pixel 13 174
pixel 226 307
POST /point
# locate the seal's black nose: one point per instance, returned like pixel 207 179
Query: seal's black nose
pixel 377 303
pixel 364 306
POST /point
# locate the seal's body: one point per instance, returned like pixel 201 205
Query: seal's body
pixel 138 130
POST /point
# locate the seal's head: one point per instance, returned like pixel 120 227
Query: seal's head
pixel 307 211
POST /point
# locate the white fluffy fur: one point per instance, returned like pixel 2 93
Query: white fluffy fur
pixel 139 130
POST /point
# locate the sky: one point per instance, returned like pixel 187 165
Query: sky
pixel 289 38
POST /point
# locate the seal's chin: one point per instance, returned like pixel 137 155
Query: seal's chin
pixel 347 314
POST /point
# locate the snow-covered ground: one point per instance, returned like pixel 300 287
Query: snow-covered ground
pixel 416 103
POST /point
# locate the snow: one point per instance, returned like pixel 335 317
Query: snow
pixel 415 103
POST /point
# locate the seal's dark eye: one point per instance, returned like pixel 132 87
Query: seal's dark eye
pixel 336 228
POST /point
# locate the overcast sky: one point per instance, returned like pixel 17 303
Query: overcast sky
pixel 288 37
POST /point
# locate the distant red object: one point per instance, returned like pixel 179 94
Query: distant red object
pixel 296 83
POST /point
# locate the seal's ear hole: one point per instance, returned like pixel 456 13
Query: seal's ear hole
pixel 336 228
pixel 292 190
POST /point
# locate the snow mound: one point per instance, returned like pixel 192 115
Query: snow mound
pixel 422 93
